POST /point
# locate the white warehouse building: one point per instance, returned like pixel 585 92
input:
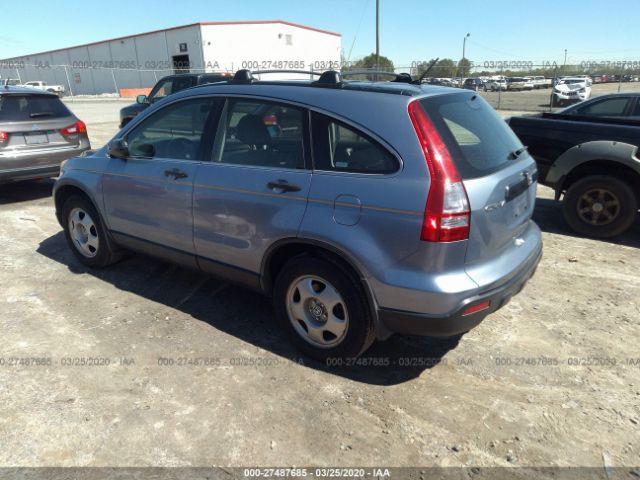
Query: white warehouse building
pixel 138 61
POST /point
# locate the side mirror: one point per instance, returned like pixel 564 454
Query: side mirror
pixel 141 99
pixel 118 149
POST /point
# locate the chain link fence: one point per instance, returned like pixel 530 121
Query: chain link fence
pixel 498 82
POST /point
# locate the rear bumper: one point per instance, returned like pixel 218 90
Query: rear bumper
pixel 39 165
pixel 29 173
pixel 412 323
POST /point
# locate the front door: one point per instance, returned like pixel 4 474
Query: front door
pixel 148 196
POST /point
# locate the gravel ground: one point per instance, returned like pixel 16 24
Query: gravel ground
pixel 190 371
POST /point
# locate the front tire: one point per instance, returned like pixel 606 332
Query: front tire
pixel 85 233
pixel 323 309
pixel 600 206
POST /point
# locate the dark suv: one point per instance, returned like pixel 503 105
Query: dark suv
pixel 475 84
pixel 166 86
pixel 37 132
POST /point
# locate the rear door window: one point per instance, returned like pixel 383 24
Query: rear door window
pixel 612 107
pixel 341 148
pixel 21 108
pixel 479 141
pixel 261 134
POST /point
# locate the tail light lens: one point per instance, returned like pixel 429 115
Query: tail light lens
pixel 4 137
pixel 75 129
pixel 447 216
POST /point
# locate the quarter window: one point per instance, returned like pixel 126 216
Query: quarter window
pixel 173 132
pixel 341 148
pixel 263 134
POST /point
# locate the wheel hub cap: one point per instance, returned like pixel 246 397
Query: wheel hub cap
pixel 317 311
pixel 83 232
pixel 598 207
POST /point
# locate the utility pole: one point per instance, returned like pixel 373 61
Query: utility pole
pixel 377 36
pixel 464 44
pixel 565 61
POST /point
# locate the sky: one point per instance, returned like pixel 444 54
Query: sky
pixel 410 30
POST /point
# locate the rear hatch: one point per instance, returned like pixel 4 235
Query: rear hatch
pixel 499 177
pixel 34 123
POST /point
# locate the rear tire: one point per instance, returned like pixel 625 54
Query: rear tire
pixel 85 233
pixel 600 206
pixel 323 309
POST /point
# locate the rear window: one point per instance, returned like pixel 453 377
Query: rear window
pixel 477 138
pixel 19 108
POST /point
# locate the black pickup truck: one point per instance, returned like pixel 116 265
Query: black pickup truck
pixel 166 86
pixel 589 155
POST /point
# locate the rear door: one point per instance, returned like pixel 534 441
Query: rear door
pixel 33 123
pixel 254 189
pixel 499 177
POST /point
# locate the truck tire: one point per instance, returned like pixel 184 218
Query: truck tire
pixel 600 206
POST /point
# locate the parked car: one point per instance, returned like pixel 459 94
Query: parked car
pixel 335 230
pixel 57 89
pixel 541 82
pixel 495 84
pixel 529 83
pixel 167 86
pixel 516 83
pixel 588 154
pixel 37 133
pixel 570 90
pixel 475 84
pixel 9 81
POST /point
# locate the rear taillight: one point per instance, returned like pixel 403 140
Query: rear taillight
pixel 75 129
pixel 447 216
pixel 4 137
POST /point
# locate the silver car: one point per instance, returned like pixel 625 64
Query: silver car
pixel 37 133
pixel 364 209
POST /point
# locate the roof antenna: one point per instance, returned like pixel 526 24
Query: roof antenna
pixel 424 74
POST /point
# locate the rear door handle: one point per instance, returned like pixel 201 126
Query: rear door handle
pixel 175 173
pixel 283 185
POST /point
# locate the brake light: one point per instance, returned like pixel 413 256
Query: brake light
pixel 447 216
pixel 75 129
pixel 478 307
pixel 4 137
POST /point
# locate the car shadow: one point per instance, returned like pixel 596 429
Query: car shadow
pixel 548 216
pixel 249 316
pixel 25 191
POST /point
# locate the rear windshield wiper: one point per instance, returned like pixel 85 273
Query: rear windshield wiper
pixel 516 153
pixel 40 114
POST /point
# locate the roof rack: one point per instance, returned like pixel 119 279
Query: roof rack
pixel 247 76
pixel 334 79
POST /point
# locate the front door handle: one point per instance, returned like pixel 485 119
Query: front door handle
pixel 175 173
pixel 283 186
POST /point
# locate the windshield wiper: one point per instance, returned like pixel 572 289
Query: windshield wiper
pixel 40 114
pixel 516 153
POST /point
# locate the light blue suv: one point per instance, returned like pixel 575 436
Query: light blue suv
pixel 363 208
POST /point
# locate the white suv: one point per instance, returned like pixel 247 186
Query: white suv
pixel 571 90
